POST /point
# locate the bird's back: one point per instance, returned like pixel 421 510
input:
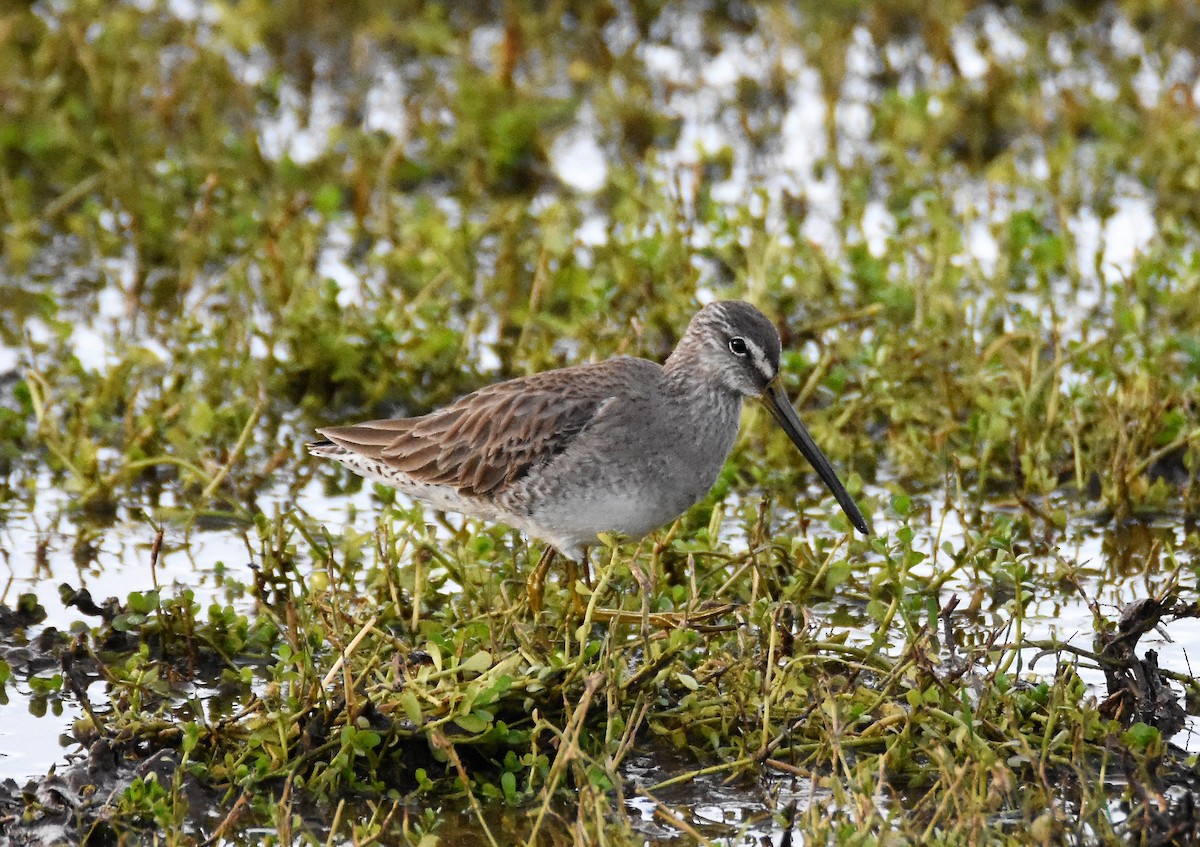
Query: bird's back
pixel 490 439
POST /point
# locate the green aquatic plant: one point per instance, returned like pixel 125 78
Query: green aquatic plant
pixel 974 226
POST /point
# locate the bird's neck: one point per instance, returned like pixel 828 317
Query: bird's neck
pixel 687 363
pixel 692 378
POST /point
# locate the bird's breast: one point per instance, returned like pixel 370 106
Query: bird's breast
pixel 637 469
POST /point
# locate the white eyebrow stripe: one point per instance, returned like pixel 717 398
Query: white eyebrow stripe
pixel 760 360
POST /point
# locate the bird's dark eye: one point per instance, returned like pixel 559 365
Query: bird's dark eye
pixel 737 346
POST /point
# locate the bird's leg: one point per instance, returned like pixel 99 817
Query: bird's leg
pixel 587 569
pixel 571 575
pixel 535 585
pixel 646 584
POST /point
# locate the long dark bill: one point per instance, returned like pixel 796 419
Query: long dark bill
pixel 781 409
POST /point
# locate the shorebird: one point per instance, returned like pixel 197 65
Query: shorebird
pixel 621 446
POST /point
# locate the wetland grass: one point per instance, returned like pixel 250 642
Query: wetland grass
pixel 980 248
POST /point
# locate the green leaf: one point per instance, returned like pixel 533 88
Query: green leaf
pixel 191 736
pixel 837 574
pixel 327 199
pixel 472 723
pixel 366 739
pixel 44 685
pixel 412 708
pixel 1142 737
pixel 477 663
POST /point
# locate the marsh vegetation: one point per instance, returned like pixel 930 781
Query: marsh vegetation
pixel 223 225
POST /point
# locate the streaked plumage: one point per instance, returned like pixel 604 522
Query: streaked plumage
pixel 624 445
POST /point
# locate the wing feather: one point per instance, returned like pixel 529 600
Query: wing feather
pixel 495 436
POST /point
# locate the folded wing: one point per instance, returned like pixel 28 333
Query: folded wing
pixel 485 440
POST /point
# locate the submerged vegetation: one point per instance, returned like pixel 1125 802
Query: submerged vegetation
pixel 976 225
